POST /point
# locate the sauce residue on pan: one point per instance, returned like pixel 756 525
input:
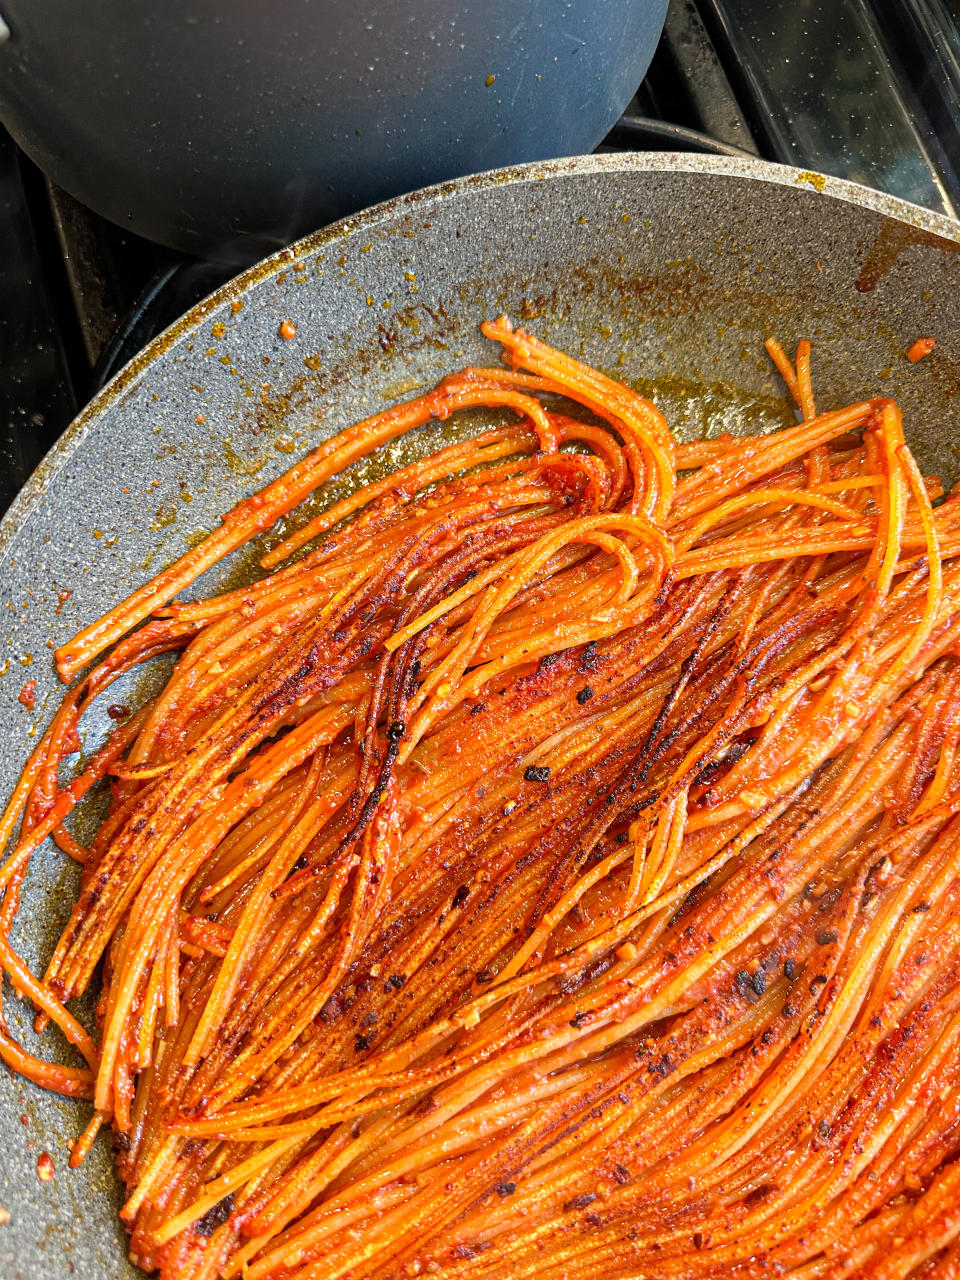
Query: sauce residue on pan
pixel 816 180
pixel 892 239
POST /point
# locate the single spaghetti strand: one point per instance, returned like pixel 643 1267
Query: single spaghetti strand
pixel 804 383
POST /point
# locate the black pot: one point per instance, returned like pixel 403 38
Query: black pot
pixel 201 122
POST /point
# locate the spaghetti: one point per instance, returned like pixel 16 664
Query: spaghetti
pixel 552 869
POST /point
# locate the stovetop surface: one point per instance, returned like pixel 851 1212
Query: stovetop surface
pixel 861 89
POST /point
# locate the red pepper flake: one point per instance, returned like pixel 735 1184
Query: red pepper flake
pixel 28 695
pixel 199 419
pixel 580 1202
pixel 118 711
pixel 62 598
pixel 45 1168
pixel 922 347
pixel 287 329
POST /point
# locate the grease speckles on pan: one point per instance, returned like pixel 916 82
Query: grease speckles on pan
pixel 666 271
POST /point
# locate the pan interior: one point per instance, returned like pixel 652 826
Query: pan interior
pixel 666 273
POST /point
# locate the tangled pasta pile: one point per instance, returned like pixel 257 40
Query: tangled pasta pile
pixel 552 872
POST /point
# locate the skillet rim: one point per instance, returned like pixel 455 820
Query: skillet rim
pixel 751 170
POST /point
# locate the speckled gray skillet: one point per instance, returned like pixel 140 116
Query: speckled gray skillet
pixel 666 270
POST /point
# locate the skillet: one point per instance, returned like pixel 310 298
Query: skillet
pixel 667 271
